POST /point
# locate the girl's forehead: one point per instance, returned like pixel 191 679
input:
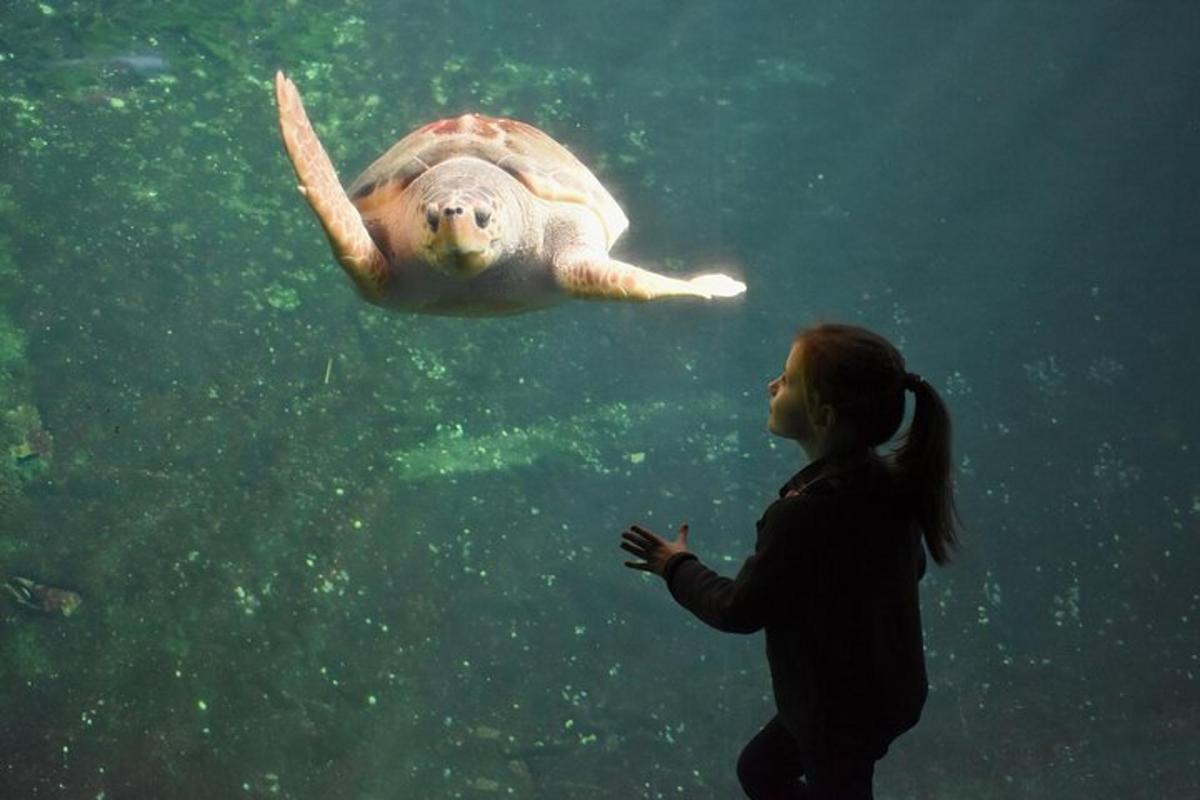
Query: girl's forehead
pixel 795 359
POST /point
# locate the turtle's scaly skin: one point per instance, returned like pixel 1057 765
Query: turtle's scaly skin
pixel 473 215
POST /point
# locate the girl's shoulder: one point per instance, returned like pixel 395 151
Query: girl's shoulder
pixel 807 502
pixel 870 486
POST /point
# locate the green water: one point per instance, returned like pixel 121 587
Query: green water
pixel 329 551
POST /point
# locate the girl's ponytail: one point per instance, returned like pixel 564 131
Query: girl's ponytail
pixel 922 465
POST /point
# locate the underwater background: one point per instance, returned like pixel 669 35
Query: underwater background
pixel 328 551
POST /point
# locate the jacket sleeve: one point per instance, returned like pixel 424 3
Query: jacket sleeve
pixel 745 603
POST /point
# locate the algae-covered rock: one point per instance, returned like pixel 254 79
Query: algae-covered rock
pixel 283 298
pixel 28 446
pixel 595 440
pixel 25 444
pixel 12 345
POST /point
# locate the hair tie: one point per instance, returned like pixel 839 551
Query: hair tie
pixel 912 381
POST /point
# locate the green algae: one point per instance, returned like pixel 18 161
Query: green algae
pixel 12 343
pixel 282 298
pixel 511 87
pixel 24 443
pixel 592 441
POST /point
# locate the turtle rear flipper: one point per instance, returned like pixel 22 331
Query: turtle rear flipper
pixel 352 244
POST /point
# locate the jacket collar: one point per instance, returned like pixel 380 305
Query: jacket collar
pixel 823 469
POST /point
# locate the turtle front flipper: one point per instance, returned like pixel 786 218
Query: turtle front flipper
pixel 352 244
pixel 586 274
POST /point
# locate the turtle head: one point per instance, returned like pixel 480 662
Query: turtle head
pixel 464 221
pixel 459 240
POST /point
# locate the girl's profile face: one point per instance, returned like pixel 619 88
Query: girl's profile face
pixel 789 415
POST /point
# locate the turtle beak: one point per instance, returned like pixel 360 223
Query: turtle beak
pixel 461 246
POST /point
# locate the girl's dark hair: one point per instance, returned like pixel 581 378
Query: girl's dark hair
pixel 862 375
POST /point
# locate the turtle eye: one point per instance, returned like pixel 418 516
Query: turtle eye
pixel 431 216
pixel 482 217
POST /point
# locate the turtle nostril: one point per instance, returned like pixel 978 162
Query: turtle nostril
pixel 482 217
pixel 450 212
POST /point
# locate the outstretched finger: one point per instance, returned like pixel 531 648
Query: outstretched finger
pixel 638 565
pixel 643 533
pixel 637 551
pixel 641 540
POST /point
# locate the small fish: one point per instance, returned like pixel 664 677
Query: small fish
pixel 39 597
pixel 146 65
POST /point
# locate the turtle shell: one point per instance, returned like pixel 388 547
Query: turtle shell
pixel 543 165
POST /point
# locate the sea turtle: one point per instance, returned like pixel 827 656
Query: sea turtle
pixel 473 216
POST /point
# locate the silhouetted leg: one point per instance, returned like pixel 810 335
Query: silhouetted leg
pixel 846 780
pixel 769 766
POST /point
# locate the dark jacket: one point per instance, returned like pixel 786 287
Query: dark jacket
pixel 833 580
